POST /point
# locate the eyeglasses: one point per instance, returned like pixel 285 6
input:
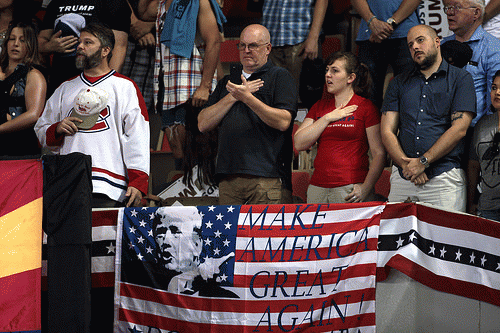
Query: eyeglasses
pixel 453 9
pixel 251 46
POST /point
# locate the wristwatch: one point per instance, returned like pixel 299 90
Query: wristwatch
pixel 424 161
pixel 392 22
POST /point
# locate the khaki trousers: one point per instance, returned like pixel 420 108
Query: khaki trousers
pixel 252 190
pixel 447 190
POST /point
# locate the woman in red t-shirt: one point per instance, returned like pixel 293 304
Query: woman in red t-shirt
pixel 345 127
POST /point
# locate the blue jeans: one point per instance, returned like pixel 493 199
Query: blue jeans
pixel 176 115
pixel 378 57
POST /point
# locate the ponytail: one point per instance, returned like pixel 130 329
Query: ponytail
pixel 362 85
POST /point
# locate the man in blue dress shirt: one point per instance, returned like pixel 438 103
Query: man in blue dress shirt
pixel 425 115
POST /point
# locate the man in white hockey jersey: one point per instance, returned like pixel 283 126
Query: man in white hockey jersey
pixel 101 113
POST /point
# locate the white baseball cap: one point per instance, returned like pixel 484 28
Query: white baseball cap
pixel 88 104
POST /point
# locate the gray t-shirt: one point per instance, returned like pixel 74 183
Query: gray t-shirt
pixel 484 152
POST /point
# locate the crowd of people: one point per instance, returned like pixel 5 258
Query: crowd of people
pixel 85 76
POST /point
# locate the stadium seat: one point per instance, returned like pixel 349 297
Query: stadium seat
pixel 229 52
pixel 383 185
pixel 300 183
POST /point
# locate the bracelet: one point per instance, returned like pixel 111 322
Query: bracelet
pixel 371 19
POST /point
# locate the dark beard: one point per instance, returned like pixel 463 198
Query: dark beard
pixel 427 62
pixel 89 62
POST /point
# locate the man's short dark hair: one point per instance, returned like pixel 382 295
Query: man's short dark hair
pixel 103 33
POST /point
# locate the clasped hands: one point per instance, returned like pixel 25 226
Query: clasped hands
pixel 244 90
pixel 380 30
pixel 414 171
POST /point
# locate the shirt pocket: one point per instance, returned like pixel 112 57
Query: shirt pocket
pixel 439 106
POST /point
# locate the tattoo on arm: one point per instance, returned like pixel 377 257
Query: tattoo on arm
pixel 456 115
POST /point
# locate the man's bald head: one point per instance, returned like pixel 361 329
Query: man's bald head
pixel 424 46
pixel 258 30
pixel 431 32
pixel 255 46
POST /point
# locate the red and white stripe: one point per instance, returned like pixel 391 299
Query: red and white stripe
pixel 443 227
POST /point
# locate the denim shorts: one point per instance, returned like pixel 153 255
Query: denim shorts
pixel 173 116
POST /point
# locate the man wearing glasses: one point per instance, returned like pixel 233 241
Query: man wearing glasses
pixel 253 107
pixel 465 18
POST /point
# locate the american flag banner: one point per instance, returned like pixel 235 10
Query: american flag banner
pixel 448 251
pixel 103 249
pixel 277 268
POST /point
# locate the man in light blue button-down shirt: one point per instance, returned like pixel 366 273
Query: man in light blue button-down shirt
pixel 464 19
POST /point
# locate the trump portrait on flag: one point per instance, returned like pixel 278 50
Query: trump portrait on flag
pixel 176 240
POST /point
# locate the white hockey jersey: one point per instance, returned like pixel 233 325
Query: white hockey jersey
pixel 118 142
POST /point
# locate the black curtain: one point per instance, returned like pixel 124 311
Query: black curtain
pixel 67 221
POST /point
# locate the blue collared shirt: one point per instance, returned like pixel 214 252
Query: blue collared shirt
pixel 425 107
pixel 483 65
pixel 288 21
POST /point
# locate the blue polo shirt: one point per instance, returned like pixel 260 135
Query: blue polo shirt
pixel 383 9
pixel 425 107
pixel 483 66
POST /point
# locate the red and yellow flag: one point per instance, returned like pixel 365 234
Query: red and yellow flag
pixel 21 188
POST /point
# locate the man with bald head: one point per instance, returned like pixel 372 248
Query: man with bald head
pixel 253 108
pixel 425 115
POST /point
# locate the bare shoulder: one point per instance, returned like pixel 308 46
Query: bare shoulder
pixel 35 75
